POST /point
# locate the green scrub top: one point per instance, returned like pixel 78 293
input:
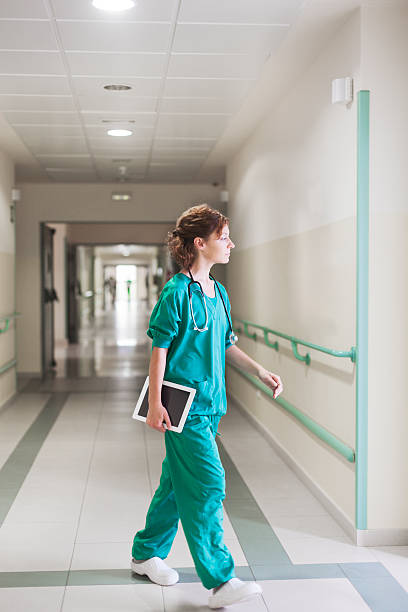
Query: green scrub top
pixel 195 359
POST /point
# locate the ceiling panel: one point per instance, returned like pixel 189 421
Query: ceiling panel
pixel 138 154
pixel 128 120
pixel 209 126
pixel 34 85
pixel 130 163
pixel 27 35
pixel 145 10
pixel 36 133
pixel 101 147
pixel 21 9
pixel 118 64
pixel 188 77
pixel 88 86
pixel 181 152
pixel 217 38
pixel 185 142
pixel 160 155
pixel 61 145
pixel 116 101
pixel 29 62
pixel 206 87
pixel 199 105
pixel 65 161
pixel 44 117
pixel 74 176
pixel 122 36
pixel 215 66
pixel 239 11
pixel 36 103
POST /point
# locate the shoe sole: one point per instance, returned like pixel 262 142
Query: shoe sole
pixel 135 571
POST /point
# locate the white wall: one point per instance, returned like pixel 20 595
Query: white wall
pixel 62 203
pixel 384 73
pixel 292 207
pixel 7 252
pixel 296 250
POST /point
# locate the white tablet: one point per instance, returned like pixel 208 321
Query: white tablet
pixel 177 400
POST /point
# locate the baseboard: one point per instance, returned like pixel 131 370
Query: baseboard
pixel 8 402
pixel 330 506
pixel 382 537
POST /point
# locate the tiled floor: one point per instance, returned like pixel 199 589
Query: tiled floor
pixel 85 473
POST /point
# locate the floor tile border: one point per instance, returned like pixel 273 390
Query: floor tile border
pixel 14 471
pixel 243 511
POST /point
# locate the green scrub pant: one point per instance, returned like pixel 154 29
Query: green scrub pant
pixel 192 488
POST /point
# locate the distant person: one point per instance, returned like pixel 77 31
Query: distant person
pixel 111 284
pixel 128 285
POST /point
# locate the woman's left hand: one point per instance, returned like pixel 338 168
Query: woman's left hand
pixel 272 381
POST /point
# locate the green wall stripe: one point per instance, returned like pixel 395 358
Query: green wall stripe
pixel 363 125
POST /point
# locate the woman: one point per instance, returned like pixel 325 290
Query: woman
pixel 191 340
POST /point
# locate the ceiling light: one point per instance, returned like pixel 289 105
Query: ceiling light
pixel 120 132
pixel 113 5
pixel 117 87
pixel 122 195
pixel 118 121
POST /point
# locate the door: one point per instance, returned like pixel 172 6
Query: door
pixel 47 298
pixel 72 291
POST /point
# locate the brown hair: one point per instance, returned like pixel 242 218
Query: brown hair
pixel 200 220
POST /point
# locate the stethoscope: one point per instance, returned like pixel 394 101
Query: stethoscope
pixel 233 338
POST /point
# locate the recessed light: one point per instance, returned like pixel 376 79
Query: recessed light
pixel 113 5
pixel 120 132
pixel 122 195
pixel 117 87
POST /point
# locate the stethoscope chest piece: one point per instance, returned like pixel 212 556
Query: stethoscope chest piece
pixel 233 338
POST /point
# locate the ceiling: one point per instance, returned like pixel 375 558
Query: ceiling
pixel 190 65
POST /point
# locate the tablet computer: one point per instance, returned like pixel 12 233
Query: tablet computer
pixel 177 400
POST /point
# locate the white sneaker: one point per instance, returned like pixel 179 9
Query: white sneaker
pixel 156 570
pixel 233 591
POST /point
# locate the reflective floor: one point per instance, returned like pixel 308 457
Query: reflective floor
pixel 113 344
pixel 77 474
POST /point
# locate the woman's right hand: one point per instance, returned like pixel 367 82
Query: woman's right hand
pixel 156 415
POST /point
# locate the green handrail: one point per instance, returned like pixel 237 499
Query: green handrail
pixel 318 430
pixel 351 354
pixel 7 319
pixel 363 241
pixel 8 366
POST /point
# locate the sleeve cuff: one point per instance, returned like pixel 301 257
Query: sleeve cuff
pixel 159 340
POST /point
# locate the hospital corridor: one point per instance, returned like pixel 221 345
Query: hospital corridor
pixel 212 194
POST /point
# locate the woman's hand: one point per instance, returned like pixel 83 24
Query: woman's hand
pixel 155 417
pixel 272 381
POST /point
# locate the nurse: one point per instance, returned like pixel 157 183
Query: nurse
pixel 192 351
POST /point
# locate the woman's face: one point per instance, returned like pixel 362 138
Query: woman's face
pixel 217 248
